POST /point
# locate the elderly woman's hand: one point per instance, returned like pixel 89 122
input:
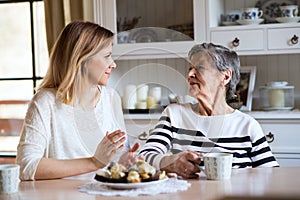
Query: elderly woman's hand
pixel 109 147
pixel 184 164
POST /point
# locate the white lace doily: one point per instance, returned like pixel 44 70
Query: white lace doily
pixel 168 186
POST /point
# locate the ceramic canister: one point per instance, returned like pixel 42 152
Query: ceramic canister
pixel 156 93
pixel 142 92
pixel 129 96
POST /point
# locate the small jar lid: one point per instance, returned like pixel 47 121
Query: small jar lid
pixel 277 84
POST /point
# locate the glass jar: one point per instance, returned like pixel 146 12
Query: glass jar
pixel 277 96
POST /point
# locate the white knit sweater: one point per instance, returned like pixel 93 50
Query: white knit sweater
pixel 55 130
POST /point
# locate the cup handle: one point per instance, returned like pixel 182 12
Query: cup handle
pixel 143 136
pixel 260 13
pixel 202 168
pixel 295 12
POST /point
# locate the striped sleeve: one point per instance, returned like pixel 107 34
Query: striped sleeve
pixel 159 143
pixel 261 153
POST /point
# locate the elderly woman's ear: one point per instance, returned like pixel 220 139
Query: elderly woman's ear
pixel 227 76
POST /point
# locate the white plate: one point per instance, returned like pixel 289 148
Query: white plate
pixel 271 8
pixel 288 19
pixel 229 23
pixel 141 35
pixel 250 21
pixel 278 108
pixel 132 185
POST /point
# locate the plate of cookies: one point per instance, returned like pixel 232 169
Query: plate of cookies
pixel 138 175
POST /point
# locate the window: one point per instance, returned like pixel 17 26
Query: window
pixel 23 52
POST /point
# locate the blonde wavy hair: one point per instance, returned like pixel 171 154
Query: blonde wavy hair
pixel 76 44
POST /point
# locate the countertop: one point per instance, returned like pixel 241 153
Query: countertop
pixel 293 115
pixel 256 183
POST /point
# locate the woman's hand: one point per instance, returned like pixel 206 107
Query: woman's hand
pixel 184 164
pixel 129 157
pixel 109 147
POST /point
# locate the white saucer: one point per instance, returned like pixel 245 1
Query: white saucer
pixel 287 19
pixel 229 23
pixel 249 21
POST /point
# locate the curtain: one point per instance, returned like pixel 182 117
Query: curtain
pixel 58 13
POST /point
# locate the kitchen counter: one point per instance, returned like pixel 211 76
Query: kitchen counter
pixel 257 183
pixel 294 114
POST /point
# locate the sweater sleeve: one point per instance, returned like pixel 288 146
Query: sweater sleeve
pixel 33 142
pixel 159 143
pixel 261 154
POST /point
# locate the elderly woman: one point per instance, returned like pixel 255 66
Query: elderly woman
pixel 186 131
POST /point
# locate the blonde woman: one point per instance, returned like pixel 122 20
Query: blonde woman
pixel 74 123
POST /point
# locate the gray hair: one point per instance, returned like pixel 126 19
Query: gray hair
pixel 224 59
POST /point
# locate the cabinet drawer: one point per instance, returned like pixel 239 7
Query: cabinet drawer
pixel 282 38
pixel 249 40
pixel 286 136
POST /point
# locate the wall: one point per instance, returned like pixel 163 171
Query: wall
pixel 275 68
pixel 167 73
pixel 170 73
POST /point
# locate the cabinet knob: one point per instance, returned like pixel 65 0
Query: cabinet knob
pixel 294 39
pixel 270 137
pixel 143 136
pixel 236 42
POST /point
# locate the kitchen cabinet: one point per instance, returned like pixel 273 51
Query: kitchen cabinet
pixel 281 130
pixel 151 22
pixel 283 136
pixel 258 39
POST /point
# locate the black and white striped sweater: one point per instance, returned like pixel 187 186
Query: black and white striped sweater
pixel 180 128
